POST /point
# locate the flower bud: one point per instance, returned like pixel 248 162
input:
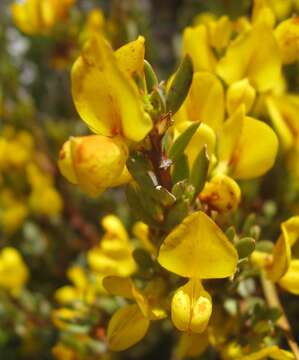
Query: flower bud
pixel 93 162
pixel 240 92
pixel 222 193
pixel 191 307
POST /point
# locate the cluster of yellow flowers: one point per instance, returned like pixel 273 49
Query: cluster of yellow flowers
pixel 19 159
pixel 236 78
pixel 180 148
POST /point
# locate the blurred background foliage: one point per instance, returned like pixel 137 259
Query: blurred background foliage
pixel 47 220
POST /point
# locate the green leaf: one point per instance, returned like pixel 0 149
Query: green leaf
pixel 180 169
pixel 178 147
pixel 150 77
pixel 199 170
pixel 141 171
pixel 180 85
pixel 142 207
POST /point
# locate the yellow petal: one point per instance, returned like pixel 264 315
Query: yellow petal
pixel 130 57
pixel 206 91
pixel 220 32
pixel 114 228
pixel 192 345
pixel 126 328
pixel 273 352
pixel 262 13
pixel 141 231
pixel 290 229
pixel 119 286
pixel 197 248
pixel 191 307
pixel 256 150
pixel 65 163
pixel 245 57
pixel 280 125
pixel 287 35
pixel 281 259
pixel 105 96
pixel 221 193
pixel 240 92
pixel 230 134
pixel 290 280
pixel 204 135
pixel 196 44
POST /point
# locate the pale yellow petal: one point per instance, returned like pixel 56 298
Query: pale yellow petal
pixel 197 248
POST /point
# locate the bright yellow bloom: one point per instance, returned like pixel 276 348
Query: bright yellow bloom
pixel 129 324
pixel 196 249
pixel 247 147
pixel 94 162
pixel 246 58
pixel 39 16
pixel 113 256
pixel 13 271
pixel 105 95
pixel 280 266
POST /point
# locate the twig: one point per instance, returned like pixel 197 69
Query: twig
pixel 272 299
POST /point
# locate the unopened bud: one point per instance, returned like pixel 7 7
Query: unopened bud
pixel 93 162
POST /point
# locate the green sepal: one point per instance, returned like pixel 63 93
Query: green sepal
pixel 180 85
pixel 178 147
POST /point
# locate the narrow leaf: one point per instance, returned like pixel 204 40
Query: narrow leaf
pixel 178 147
pixel 150 77
pixel 180 85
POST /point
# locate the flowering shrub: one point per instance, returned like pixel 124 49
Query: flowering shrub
pixel 193 176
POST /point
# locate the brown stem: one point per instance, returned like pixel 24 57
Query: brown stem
pixel 273 300
pixel 156 156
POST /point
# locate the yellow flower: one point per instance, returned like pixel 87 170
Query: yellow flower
pixel 129 324
pixel 13 271
pixel 113 256
pixel 94 162
pixel 196 249
pixel 246 58
pixel 280 266
pixel 247 147
pixel 39 16
pixel 104 93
